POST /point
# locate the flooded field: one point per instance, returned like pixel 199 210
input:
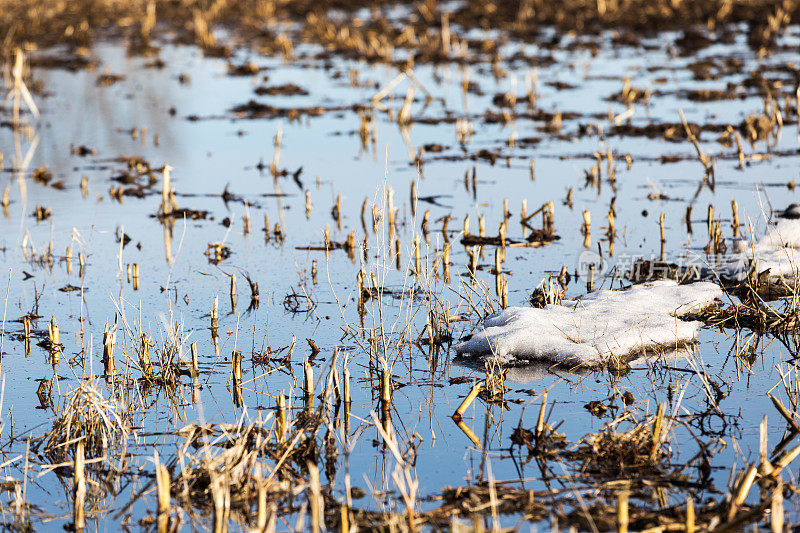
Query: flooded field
pixel 247 266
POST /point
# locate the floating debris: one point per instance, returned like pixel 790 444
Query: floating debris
pixel 287 89
pixel 107 79
pixel 217 252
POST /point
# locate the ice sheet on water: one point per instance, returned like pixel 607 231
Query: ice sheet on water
pixel 777 251
pixel 601 327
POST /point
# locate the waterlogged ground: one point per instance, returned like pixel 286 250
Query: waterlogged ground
pixel 176 108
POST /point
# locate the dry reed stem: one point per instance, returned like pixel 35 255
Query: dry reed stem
pixel 79 488
pixel 690 135
pixel 473 393
pixel 163 484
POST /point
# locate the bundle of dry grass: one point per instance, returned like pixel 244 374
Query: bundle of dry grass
pixel 229 457
pixel 89 416
pixel 237 468
pixel 610 453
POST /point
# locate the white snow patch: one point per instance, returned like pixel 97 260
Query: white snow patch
pixel 777 251
pixel 600 327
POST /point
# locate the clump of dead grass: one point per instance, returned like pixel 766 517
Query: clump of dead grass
pixel 90 416
pixel 236 467
pixel 610 453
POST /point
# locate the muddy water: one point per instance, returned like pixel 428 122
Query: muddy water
pixel 187 101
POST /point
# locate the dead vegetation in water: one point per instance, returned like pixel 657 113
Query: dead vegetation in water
pixel 756 304
pixel 756 314
pixel 631 455
pixel 256 473
pixel 229 470
pixel 90 416
pixel 427 27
